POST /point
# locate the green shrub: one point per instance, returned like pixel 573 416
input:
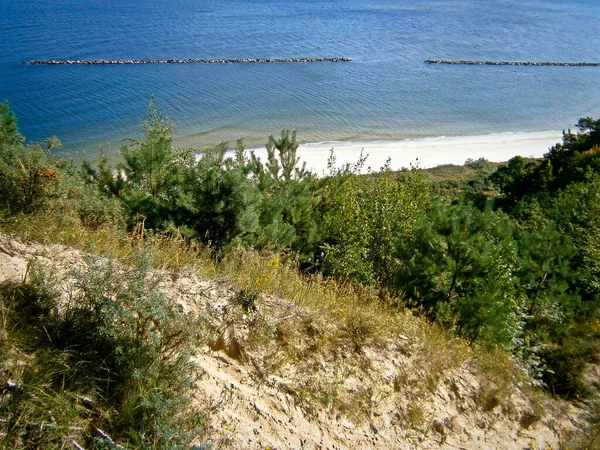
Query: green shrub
pixel 459 267
pixel 221 201
pixel 28 177
pixel 115 341
pixel 9 133
pixel 566 162
pixel 368 217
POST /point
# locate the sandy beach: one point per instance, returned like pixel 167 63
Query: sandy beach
pixel 426 153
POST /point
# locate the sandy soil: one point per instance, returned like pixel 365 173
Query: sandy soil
pixel 255 408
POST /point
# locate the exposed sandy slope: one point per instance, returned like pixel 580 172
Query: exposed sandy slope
pixel 255 387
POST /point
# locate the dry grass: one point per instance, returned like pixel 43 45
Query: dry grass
pixel 357 312
pixel 172 253
pixel 60 368
pixel 285 319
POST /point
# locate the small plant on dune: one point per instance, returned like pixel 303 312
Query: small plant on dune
pixel 113 355
pixel 415 416
pixel 9 132
pixel 27 175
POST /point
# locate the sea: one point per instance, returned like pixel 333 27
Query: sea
pixel 387 91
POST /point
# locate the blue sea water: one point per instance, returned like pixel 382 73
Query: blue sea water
pixel 386 92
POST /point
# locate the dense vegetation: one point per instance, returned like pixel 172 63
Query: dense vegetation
pixel 509 260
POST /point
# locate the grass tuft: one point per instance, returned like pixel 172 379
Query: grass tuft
pixel 113 354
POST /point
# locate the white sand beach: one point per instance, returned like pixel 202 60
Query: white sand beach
pixel 426 153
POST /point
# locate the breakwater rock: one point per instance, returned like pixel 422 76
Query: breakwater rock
pixel 53 62
pixel 510 63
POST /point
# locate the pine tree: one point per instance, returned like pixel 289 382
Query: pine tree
pixel 149 179
pixel 459 268
pixel 286 159
pixel 9 133
pixel 150 164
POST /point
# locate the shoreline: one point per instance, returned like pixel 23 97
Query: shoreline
pixel 425 152
pixel 422 152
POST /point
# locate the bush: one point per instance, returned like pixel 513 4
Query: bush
pixel 566 162
pixel 28 178
pixel 459 268
pixel 116 343
pixel 368 217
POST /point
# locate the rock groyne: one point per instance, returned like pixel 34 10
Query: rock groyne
pixel 53 62
pixel 510 63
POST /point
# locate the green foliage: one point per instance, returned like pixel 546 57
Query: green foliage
pixel 556 202
pixel 578 153
pixel 514 178
pixel 576 211
pixel 150 164
pixel 565 362
pixel 565 163
pixel 285 214
pixel 368 217
pixel 291 203
pixel 148 181
pixel 290 198
pixel 28 176
pixel 114 341
pixel 471 180
pixel 32 179
pixel 220 201
pixel 459 267
pixel 286 147
pixel 108 180
pixel 546 275
pixel 9 134
pixel 91 207
pixel 526 280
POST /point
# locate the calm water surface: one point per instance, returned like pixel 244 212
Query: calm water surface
pixel 387 92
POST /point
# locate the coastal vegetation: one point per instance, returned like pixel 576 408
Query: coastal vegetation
pixel 504 257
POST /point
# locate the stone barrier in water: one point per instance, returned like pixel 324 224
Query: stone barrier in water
pixel 510 63
pixel 53 62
